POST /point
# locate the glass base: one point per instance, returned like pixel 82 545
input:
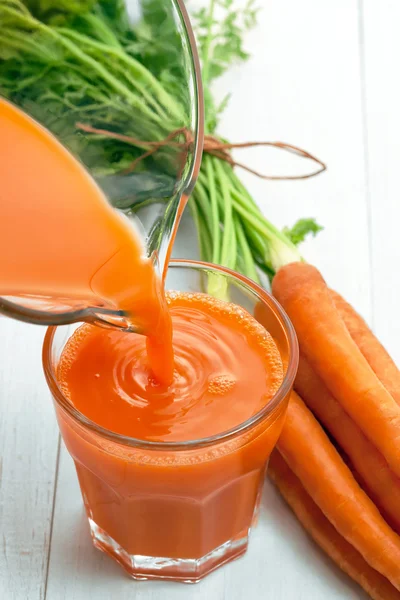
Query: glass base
pixel 176 569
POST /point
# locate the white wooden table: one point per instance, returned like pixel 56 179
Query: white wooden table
pixel 324 76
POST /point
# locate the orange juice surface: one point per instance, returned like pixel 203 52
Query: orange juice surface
pixel 60 239
pixel 227 367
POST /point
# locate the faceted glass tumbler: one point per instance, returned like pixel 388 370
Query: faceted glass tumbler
pixel 177 510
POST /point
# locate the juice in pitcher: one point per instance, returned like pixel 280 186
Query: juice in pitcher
pixel 63 246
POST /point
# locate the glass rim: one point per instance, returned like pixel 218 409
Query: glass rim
pixel 223 436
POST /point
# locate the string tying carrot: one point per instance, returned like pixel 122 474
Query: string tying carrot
pixel 212 145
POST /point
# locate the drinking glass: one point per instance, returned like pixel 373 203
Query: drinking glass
pixel 177 510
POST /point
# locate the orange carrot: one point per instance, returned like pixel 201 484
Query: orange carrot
pixel 378 358
pixel 382 485
pixel 325 535
pixel 312 457
pixel 335 357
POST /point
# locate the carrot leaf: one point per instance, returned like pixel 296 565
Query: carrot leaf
pixel 301 229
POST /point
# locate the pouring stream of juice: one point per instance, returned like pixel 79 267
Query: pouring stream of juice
pixel 64 247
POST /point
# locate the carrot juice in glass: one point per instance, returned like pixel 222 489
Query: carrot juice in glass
pixel 171 473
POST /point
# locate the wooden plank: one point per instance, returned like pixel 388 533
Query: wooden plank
pixel 28 451
pixel 381 22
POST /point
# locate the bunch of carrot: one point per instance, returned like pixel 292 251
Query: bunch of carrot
pixel 337 463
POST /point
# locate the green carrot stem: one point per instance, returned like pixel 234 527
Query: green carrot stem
pixel 265 268
pixel 216 233
pixel 203 201
pixel 238 185
pixel 262 225
pixel 136 68
pixel 98 26
pixel 85 59
pixel 249 269
pixel 229 243
pixel 243 201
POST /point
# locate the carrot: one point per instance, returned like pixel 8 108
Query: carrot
pixel 380 482
pixel 335 357
pixel 376 355
pixel 325 535
pixel 312 457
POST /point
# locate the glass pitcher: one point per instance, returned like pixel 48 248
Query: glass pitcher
pixel 131 110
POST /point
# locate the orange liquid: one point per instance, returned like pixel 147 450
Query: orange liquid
pixel 227 367
pixel 60 239
pixel 173 504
